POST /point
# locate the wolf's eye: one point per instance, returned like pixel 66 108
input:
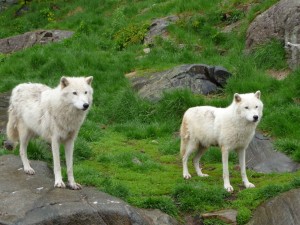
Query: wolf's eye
pixel 256 107
pixel 85 92
pixel 74 93
pixel 246 107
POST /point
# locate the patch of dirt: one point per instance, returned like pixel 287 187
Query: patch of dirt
pixel 75 11
pixel 279 74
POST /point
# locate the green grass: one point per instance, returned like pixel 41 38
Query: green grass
pixel 128 146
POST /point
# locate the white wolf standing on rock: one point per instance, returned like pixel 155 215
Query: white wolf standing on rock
pixel 230 128
pixel 56 115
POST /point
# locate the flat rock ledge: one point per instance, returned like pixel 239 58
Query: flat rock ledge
pixel 26 199
pixel 29 39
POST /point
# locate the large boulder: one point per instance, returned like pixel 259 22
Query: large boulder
pixel 27 199
pixel 281 210
pixel 199 78
pixel 19 42
pixel 281 22
pixel 262 157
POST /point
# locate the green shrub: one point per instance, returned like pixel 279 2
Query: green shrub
pixel 244 215
pixel 131 34
pixel 165 204
pixel 190 197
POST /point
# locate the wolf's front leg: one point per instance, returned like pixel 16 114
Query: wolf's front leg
pixel 56 163
pixel 242 160
pixel 227 185
pixel 69 149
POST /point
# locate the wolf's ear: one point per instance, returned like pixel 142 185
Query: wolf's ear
pixel 237 97
pixel 89 80
pixel 257 94
pixel 64 82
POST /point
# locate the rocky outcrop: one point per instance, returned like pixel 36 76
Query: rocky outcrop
pixel 262 157
pixel 158 27
pixel 199 78
pixel 19 42
pixel 281 210
pixel 27 199
pixel 281 22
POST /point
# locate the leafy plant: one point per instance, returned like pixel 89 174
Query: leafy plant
pixel 131 34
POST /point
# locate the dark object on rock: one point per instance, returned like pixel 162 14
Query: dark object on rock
pixel 4 101
pixel 199 78
pixel 19 42
pixel 8 145
pixel 27 199
pixel 261 157
pixel 280 22
pixel 158 27
pixel 281 210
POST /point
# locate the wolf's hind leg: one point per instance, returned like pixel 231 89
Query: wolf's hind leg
pixel 25 135
pixel 190 148
pixel 196 161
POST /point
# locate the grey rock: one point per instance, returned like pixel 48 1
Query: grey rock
pixel 281 210
pixel 281 22
pixel 158 27
pixel 27 199
pixel 155 217
pixel 199 78
pixel 226 215
pixel 19 42
pixel 262 157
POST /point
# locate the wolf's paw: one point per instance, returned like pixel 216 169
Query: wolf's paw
pixel 74 186
pixel 228 188
pixel 249 185
pixel 29 170
pixel 187 176
pixel 203 175
pixel 59 184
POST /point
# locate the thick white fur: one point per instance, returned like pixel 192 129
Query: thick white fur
pixel 230 128
pixel 56 115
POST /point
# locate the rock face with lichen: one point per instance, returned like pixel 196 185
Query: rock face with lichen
pixel 281 22
pixel 19 42
pixel 199 78
pixel 27 199
pixel 281 210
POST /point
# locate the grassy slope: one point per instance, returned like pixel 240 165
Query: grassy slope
pixel 128 147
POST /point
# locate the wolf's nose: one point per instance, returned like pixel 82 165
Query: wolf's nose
pixel 85 106
pixel 255 118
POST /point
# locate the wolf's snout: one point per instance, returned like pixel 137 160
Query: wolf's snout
pixel 85 106
pixel 255 118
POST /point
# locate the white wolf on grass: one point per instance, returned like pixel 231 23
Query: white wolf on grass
pixel 230 128
pixel 56 115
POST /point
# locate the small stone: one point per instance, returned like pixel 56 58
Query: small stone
pixel 146 50
pixel 227 215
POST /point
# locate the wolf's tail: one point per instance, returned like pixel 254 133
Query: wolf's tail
pixel 12 124
pixel 184 134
